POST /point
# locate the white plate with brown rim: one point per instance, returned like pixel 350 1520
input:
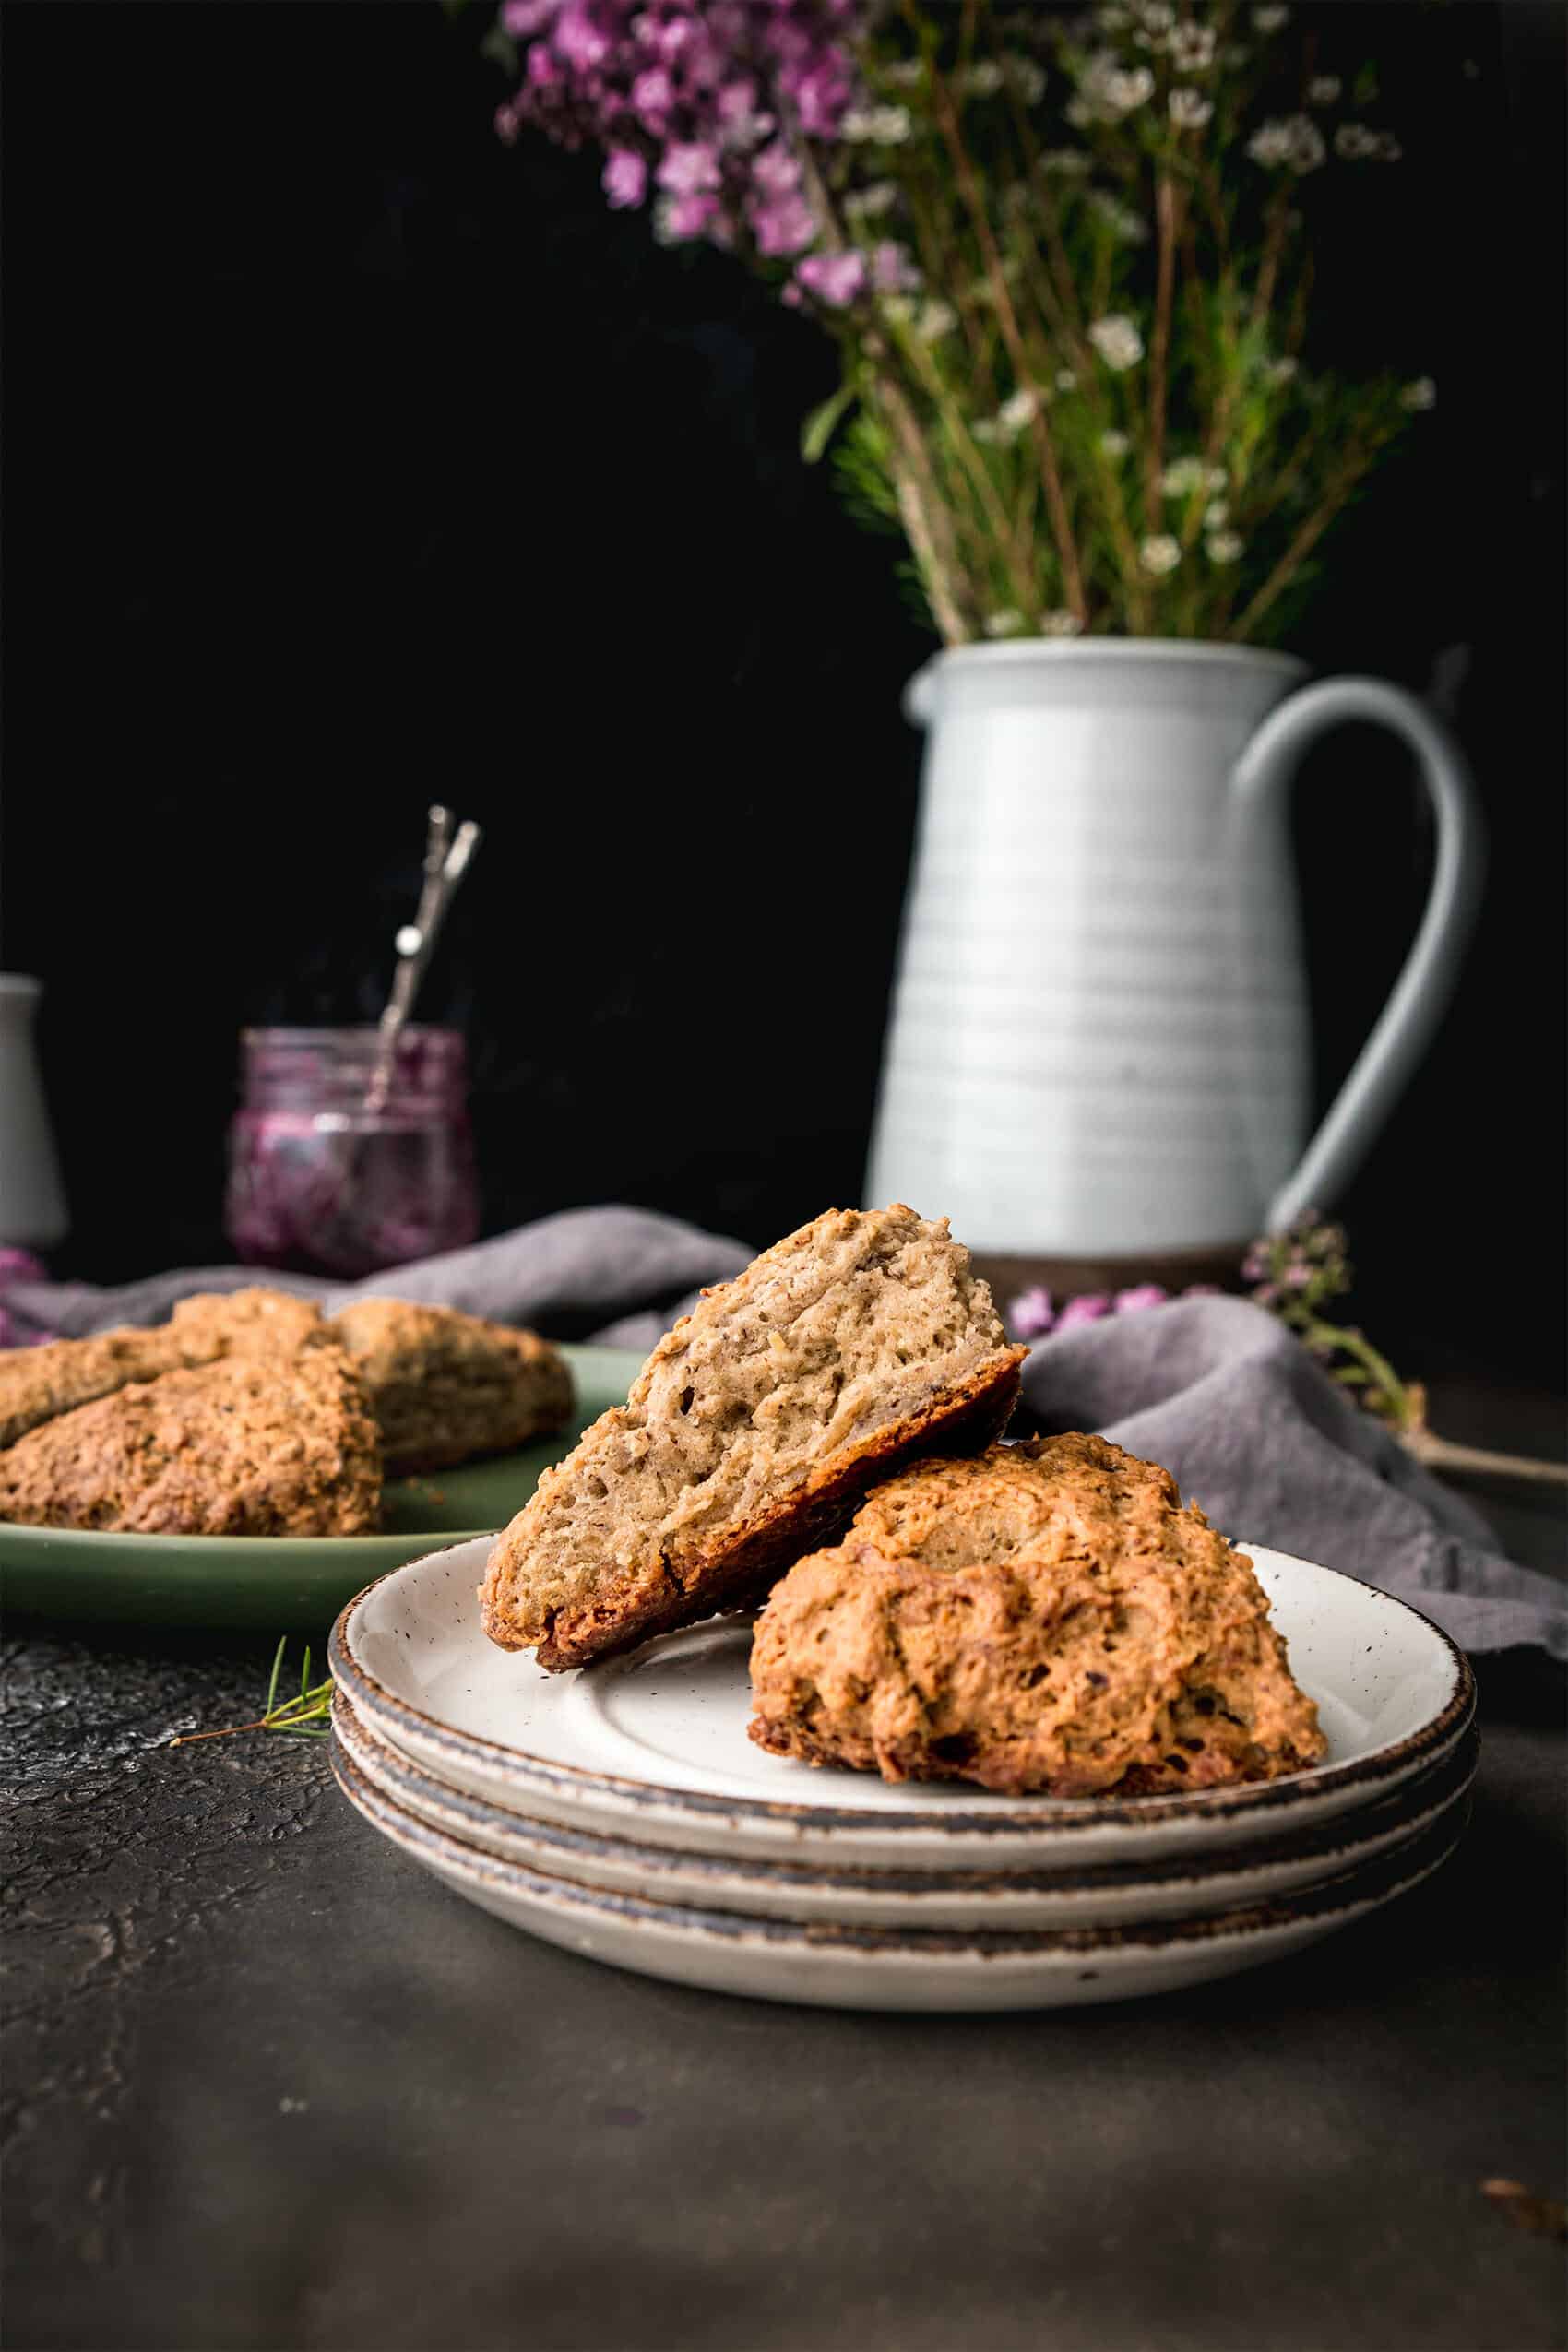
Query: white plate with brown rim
pixel 1111 1895
pixel 833 1966
pixel 652 1746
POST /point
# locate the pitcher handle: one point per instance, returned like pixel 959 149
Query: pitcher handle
pixel 1405 1028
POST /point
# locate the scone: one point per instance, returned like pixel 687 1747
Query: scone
pixel 267 1444
pixel 37 1384
pixel 445 1387
pixel 1049 1618
pixel 754 1430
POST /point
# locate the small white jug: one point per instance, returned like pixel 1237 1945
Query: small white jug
pixel 32 1203
pixel 1099 1040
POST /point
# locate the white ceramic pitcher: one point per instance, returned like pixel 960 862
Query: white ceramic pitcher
pixel 32 1204
pixel 1099 1041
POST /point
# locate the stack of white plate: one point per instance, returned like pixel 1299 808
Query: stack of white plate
pixel 623 1813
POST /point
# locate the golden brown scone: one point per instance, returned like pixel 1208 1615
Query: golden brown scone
pixel 263 1444
pixel 445 1386
pixel 1046 1618
pixel 36 1383
pixel 754 1430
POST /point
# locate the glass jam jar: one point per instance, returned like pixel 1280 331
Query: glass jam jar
pixel 324 1180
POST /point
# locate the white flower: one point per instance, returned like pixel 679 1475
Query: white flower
pixel 1183 476
pixel 1270 20
pixel 1191 48
pixel 1066 380
pixel 937 318
pixel 1066 163
pixel 1078 114
pixel 1160 554
pixel 1020 409
pixel 984 79
pixel 1113 444
pixel 869 203
pixel 898 307
pixel 1007 623
pixel 1106 90
pixel 1358 144
pixel 1060 624
pixel 877 126
pixel 1324 89
pixel 986 429
pixel 1119 217
pixel 1421 394
pixel 1223 547
pixel 1280 371
pixel 1117 340
pixel 1156 17
pixel 1295 142
pixel 905 74
pixel 1188 109
pixel 1025 78
pixel 1216 515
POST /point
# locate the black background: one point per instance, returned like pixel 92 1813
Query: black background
pixel 351 461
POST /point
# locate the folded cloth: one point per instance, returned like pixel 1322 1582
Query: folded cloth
pixel 1215 1388
pixel 1276 1454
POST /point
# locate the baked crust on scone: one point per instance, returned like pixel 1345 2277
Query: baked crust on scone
pixel 445 1387
pixel 1047 1617
pixel 754 1430
pixel 272 1444
pixel 38 1383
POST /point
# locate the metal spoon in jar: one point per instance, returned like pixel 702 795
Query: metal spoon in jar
pixel 446 862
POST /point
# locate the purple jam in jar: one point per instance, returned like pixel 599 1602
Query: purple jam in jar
pixel 319 1182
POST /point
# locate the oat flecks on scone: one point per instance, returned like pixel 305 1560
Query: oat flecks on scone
pixel 263 1444
pixel 37 1384
pixel 754 1430
pixel 1046 1618
pixel 445 1387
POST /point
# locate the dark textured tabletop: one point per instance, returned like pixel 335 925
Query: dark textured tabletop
pixel 267 2086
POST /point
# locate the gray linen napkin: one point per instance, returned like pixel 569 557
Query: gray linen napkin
pixel 1277 1455
pixel 1215 1388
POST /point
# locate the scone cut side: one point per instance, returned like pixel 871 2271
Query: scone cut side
pixel 754 1430
pixel 1049 1618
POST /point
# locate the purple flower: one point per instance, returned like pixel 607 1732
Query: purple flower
pixel 1089 1309
pixel 688 169
pixel 523 18
pixel 775 171
pixel 892 271
pixel 625 177
pixel 20 1265
pixel 543 68
pixel 787 225
pixel 653 95
pixel 1134 1302
pixel 689 216
pixel 579 39
pixel 1031 1314
pixel 836 279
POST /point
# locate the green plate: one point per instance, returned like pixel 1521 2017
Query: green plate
pixel 291 1583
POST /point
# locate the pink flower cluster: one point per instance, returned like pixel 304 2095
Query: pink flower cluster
pixel 1033 1312
pixel 703 104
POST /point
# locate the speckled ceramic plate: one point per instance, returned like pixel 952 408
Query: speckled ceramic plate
pixel 864 1967
pixel 652 1746
pixel 1112 1895
pixel 291 1583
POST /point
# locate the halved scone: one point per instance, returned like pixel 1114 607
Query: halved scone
pixel 1049 1617
pixel 754 1430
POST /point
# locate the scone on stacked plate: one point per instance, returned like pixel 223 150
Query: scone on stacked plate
pixel 249 1413
pixel 1038 1617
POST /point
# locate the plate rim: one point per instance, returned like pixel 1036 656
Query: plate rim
pixel 1326 1904
pixel 1452 1776
pixel 1391 1762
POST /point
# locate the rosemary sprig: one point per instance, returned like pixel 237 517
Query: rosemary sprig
pixel 308 1712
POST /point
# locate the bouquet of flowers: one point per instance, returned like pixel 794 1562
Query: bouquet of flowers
pixel 1065 259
